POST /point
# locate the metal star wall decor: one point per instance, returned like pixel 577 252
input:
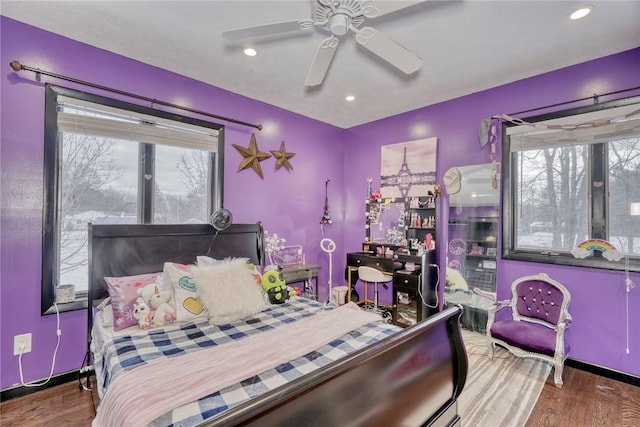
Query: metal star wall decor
pixel 252 156
pixel 283 157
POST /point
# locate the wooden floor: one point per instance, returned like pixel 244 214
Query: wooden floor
pixel 64 405
pixel 585 400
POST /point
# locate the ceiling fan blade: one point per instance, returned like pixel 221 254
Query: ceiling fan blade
pixel 268 29
pixel 321 62
pixel 373 8
pixel 382 46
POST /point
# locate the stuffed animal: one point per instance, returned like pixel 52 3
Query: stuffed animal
pixel 142 313
pixel 163 311
pixel 275 287
pixel 255 272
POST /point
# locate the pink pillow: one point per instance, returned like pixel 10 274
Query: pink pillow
pixel 123 292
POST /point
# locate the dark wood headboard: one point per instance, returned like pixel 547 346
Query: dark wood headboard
pixel 130 249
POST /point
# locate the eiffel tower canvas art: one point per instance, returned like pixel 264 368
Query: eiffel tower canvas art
pixel 408 169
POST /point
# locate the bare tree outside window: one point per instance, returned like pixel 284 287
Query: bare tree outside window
pixel 181 185
pixel 624 191
pixel 194 170
pixel 553 196
pixel 89 192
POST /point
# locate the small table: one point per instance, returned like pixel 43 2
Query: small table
pixel 302 273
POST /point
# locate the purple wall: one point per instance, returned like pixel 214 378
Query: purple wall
pixel 598 331
pixel 288 203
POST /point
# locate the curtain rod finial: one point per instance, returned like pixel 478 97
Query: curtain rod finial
pixel 259 127
pixel 16 65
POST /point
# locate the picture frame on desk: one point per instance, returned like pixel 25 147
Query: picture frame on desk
pixel 289 255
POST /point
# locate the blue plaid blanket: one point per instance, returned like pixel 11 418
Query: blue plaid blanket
pixel 130 351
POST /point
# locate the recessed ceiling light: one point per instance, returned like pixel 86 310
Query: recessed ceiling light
pixel 349 98
pixel 581 12
pixel 250 51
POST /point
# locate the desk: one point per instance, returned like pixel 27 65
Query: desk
pixel 415 294
pixel 302 273
pixel 357 259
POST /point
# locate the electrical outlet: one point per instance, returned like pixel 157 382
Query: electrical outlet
pixel 23 341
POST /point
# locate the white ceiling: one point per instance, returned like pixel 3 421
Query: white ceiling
pixel 467 46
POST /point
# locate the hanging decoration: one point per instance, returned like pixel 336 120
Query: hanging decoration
pixel 326 218
pixel 488 134
pixel 252 156
pixel 282 157
pixel 629 285
pixel 635 114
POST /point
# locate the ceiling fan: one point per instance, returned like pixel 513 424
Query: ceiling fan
pixel 338 17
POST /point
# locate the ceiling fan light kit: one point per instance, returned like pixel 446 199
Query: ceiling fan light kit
pixel 338 17
pixel 339 24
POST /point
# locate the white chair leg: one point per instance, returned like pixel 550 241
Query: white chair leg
pixel 491 346
pixel 558 366
pixel 375 296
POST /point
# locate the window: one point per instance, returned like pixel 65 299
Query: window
pixel 111 162
pixel 566 186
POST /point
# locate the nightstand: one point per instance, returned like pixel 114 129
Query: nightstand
pixel 302 273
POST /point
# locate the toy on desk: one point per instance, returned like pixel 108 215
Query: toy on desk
pixel 275 287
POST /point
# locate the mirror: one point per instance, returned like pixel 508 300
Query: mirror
pixel 385 222
pixel 472 247
pixel 478 186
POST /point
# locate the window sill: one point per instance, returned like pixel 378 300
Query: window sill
pixel 568 259
pixel 80 303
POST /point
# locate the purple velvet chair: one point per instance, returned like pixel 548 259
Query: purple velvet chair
pixel 539 307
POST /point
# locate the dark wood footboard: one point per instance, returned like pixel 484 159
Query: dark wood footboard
pixel 409 379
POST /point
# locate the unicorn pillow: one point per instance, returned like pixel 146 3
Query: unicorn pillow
pixel 124 292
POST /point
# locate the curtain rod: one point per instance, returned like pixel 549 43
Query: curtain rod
pixel 17 66
pixel 595 98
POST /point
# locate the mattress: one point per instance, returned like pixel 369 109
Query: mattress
pixel 116 353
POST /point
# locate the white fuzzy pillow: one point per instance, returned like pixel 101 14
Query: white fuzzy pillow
pixel 228 290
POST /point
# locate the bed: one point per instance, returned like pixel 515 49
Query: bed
pixel 371 373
